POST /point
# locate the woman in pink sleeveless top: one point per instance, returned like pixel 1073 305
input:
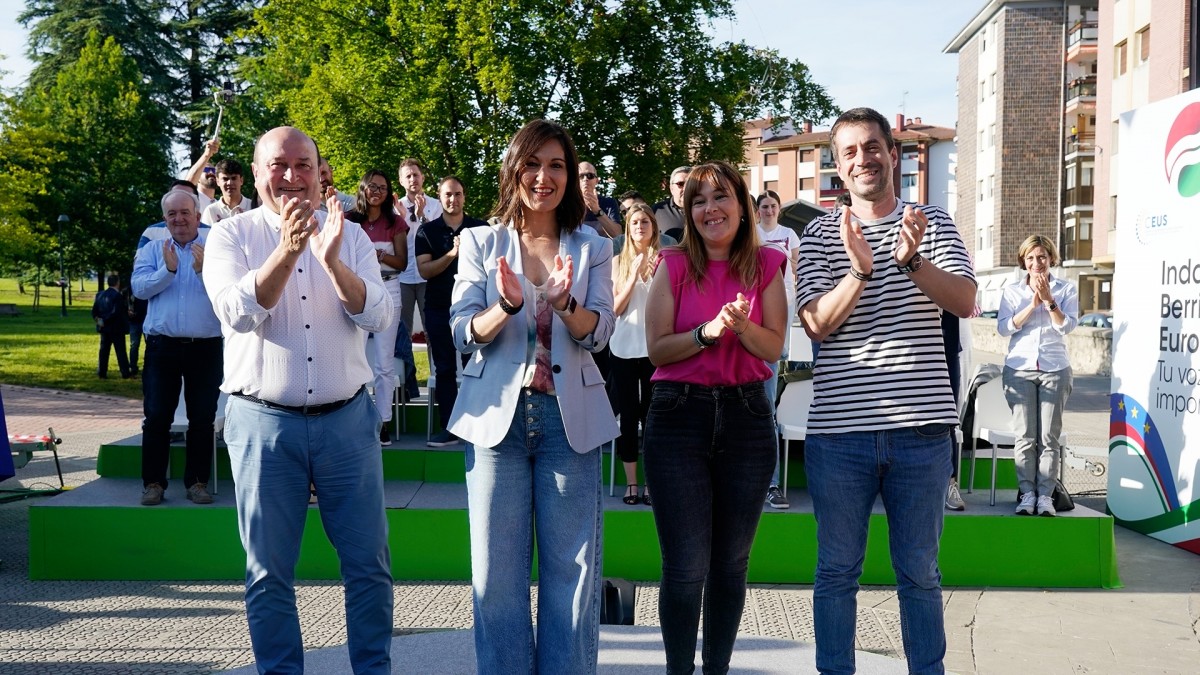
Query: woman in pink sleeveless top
pixel 715 317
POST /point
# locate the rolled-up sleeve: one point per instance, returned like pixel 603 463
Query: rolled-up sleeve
pixel 470 289
pixel 377 311
pixel 1068 302
pixel 1011 302
pixel 229 281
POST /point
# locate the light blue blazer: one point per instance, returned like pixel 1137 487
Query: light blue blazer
pixel 492 377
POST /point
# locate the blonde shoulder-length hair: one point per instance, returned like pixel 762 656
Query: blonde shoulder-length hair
pixel 743 252
pixel 629 251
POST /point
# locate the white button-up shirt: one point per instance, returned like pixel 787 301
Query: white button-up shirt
pixel 432 211
pixel 307 349
pixel 1039 344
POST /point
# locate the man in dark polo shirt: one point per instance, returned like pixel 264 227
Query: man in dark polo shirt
pixel 669 212
pixel 437 263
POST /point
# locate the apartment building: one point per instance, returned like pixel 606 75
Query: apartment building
pixel 798 164
pixel 1145 48
pixel 1027 90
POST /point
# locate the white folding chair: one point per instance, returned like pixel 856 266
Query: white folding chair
pixel 993 423
pixel 791 416
pixel 799 344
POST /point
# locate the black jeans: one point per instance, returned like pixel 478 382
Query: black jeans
pixel 632 379
pixel 196 366
pixel 112 340
pixel 443 355
pixel 709 454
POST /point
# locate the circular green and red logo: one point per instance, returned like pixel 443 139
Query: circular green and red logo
pixel 1183 152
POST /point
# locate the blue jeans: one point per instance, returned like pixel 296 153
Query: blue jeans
pixel 404 352
pixel 708 456
pixel 275 455
pixel 909 467
pixel 533 480
pixel 135 345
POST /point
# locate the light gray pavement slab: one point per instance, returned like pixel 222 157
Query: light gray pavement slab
pixel 1148 626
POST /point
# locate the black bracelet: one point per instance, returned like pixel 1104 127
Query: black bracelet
pixel 698 337
pixel 509 309
pixel 859 275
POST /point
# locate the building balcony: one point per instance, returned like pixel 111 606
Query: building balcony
pixel 1080 196
pixel 828 165
pixel 1082 41
pixel 1076 248
pixel 1081 93
pixel 1080 145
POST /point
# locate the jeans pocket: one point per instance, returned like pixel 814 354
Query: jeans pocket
pixel 665 399
pixel 758 405
pixel 933 430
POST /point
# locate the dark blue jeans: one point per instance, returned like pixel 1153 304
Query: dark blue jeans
pixel 443 355
pixel 196 367
pixel 111 340
pixel 709 453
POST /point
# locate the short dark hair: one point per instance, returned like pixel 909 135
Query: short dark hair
pixel 454 178
pixel 229 167
pixel 861 116
pixel 527 141
pixel 113 280
pixel 630 194
pixel 184 183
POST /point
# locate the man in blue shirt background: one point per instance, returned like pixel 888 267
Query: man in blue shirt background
pixel 183 349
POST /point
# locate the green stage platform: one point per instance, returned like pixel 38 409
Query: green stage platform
pixel 98 531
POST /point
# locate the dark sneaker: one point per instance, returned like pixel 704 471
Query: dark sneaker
pixel 385 437
pixel 198 494
pixel 443 439
pixel 776 499
pixel 152 495
pixel 954 500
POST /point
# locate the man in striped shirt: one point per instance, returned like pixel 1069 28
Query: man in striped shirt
pixel 874 278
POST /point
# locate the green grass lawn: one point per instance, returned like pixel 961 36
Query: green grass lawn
pixel 40 348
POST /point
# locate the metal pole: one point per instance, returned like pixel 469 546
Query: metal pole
pixel 62 275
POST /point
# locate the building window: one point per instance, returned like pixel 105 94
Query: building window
pixel 991 186
pixel 1120 58
pixel 772 185
pixel 992 84
pixel 1112 212
pixel 982 144
pixel 979 189
pixel 982 90
pixel 992 136
pixel 808 183
pixel 908 180
pixel 1070 179
pixel 771 159
pixel 806 155
pixel 1143 45
pixel 1116 134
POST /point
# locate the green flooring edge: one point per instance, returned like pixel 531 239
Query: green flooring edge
pixel 200 544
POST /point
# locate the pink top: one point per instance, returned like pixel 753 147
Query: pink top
pixel 726 363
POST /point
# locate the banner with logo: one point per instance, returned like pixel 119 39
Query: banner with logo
pixel 1154 432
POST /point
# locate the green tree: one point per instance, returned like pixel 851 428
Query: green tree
pixel 450 81
pixel 107 155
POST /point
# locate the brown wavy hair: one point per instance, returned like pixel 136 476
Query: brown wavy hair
pixel 743 252
pixel 525 143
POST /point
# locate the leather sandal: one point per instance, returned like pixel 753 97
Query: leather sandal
pixel 646 498
pixel 631 499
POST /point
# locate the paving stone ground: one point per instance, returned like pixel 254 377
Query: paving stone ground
pixel 138 627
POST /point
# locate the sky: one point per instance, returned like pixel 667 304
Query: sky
pixel 879 53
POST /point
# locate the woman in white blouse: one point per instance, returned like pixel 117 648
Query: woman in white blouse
pixel 1036 313
pixel 632 271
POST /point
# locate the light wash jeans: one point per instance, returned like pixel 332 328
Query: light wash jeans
pixel 910 468
pixel 275 455
pixel 533 480
pixel 1037 399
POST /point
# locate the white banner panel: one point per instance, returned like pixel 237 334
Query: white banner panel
pixel 1154 434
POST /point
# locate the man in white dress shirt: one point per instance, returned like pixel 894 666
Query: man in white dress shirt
pixel 417 209
pixel 297 290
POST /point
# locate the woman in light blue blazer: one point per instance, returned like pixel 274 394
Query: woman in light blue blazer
pixel 532 301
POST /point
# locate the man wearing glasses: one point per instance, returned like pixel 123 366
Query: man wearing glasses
pixel 203 174
pixel 669 212
pixel 603 213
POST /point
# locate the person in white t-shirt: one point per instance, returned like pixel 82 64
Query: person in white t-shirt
pixel 232 201
pixel 417 209
pixel 785 239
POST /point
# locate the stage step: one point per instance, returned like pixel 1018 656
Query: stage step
pixel 99 531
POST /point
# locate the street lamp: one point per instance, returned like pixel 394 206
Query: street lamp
pixel 63 219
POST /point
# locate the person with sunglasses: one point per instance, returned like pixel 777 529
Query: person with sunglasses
pixel 601 213
pixel 669 212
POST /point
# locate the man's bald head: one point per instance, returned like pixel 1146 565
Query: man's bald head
pixel 285 167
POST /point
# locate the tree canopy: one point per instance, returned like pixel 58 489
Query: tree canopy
pixel 640 84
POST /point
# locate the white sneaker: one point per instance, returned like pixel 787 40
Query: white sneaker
pixel 954 500
pixel 1045 506
pixel 1025 507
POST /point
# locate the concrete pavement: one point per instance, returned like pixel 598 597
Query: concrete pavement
pixel 1149 626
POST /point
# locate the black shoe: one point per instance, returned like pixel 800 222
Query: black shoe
pixel 631 495
pixel 385 438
